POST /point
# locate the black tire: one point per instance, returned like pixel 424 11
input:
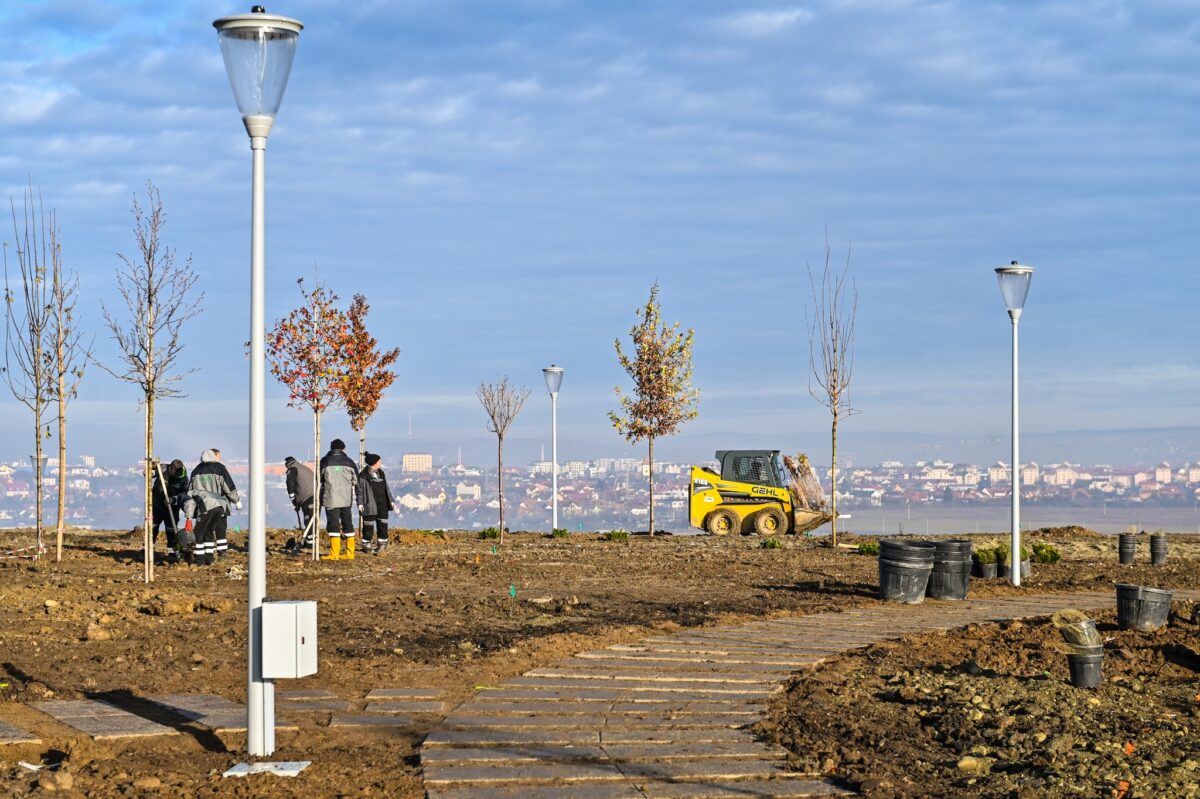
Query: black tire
pixel 770 521
pixel 722 522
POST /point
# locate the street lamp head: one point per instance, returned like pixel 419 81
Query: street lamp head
pixel 1014 286
pixel 258 49
pixel 554 376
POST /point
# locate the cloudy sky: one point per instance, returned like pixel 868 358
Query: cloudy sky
pixel 504 181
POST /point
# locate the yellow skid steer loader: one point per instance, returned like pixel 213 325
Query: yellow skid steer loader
pixel 757 490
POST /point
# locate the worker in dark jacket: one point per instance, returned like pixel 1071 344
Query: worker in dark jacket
pixel 339 487
pixel 374 501
pixel 167 502
pixel 300 490
pixel 212 495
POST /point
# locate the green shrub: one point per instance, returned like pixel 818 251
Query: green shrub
pixel 984 556
pixel 559 532
pixel 868 548
pixel 771 543
pixel 1003 554
pixel 1046 553
pixel 489 532
pixel 616 535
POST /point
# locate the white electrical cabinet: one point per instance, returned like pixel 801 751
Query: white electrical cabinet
pixel 289 631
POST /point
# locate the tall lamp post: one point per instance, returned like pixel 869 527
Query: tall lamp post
pixel 1014 287
pixel 553 375
pixel 258 49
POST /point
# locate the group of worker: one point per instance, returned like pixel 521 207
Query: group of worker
pixel 208 496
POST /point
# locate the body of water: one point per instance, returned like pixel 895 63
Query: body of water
pixel 943 519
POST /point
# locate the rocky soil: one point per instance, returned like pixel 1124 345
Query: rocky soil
pixel 432 612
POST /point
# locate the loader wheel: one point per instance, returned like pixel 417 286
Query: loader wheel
pixel 770 521
pixel 722 522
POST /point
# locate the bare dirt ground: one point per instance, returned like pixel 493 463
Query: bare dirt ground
pixel 431 612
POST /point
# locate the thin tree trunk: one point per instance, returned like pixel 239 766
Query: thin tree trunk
pixel 500 480
pixel 316 520
pixel 362 448
pixel 833 542
pixel 147 485
pixel 62 458
pixel 38 476
pixel 651 457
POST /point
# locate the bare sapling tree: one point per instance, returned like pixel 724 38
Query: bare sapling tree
pixel 27 298
pixel 663 397
pixel 367 375
pixel 307 350
pixel 69 357
pixel 159 296
pixel 502 401
pixel 831 354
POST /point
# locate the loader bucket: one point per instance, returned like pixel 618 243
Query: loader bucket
pixel 807 520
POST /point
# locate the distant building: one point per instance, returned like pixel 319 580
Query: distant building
pixel 88 461
pixel 468 491
pixel 416 462
pixel 1162 473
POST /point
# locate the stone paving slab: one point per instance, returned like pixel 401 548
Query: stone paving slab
pixel 589 694
pixel 792 788
pixel 306 693
pixel 514 754
pixel 619 734
pixel 706 770
pixel 406 706
pixel 594 791
pixel 487 774
pixel 100 720
pixel 651 663
pixel 370 721
pixel 405 693
pixel 649 719
pixel 214 712
pixel 665 656
pixel 559 737
pixel 569 683
pixel 314 706
pixel 626 674
pixel 12 734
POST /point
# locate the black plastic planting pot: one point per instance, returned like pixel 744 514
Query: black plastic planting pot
pixel 1158 550
pixel 986 571
pixel 1004 570
pixel 1141 608
pixel 951 574
pixel 1085 668
pixel 904 568
pixel 1127 548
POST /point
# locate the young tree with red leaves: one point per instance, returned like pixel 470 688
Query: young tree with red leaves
pixel 367 374
pixel 308 353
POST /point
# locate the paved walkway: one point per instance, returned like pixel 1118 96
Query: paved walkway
pixel 670 716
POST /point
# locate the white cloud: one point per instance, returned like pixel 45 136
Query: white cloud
pixel 23 104
pixel 765 23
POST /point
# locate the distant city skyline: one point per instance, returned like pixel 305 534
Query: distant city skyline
pixel 505 181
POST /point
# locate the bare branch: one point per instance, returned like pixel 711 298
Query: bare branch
pixel 502 401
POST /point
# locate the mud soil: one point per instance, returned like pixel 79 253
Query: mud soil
pixel 432 612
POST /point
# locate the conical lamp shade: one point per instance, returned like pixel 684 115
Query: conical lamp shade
pixel 1014 284
pixel 258 50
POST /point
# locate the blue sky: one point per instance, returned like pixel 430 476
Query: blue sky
pixel 504 181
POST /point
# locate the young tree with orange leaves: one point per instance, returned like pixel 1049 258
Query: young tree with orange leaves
pixel 367 374
pixel 308 354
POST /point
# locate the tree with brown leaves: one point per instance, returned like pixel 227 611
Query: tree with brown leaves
pixel 158 296
pixel 367 375
pixel 831 354
pixel 502 401
pixel 308 353
pixel 663 397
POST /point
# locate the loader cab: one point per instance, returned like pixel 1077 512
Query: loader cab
pixel 762 467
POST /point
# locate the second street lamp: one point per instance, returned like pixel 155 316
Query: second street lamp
pixel 1014 287
pixel 554 376
pixel 258 49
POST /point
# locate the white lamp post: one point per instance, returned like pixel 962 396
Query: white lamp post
pixel 258 49
pixel 554 375
pixel 1014 287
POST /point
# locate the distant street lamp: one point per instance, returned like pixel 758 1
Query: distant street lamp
pixel 554 376
pixel 258 49
pixel 1014 287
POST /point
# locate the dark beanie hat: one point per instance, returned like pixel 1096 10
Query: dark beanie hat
pixel 372 459
pixel 338 444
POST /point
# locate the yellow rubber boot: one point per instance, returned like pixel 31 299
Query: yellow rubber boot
pixel 335 548
pixel 350 544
